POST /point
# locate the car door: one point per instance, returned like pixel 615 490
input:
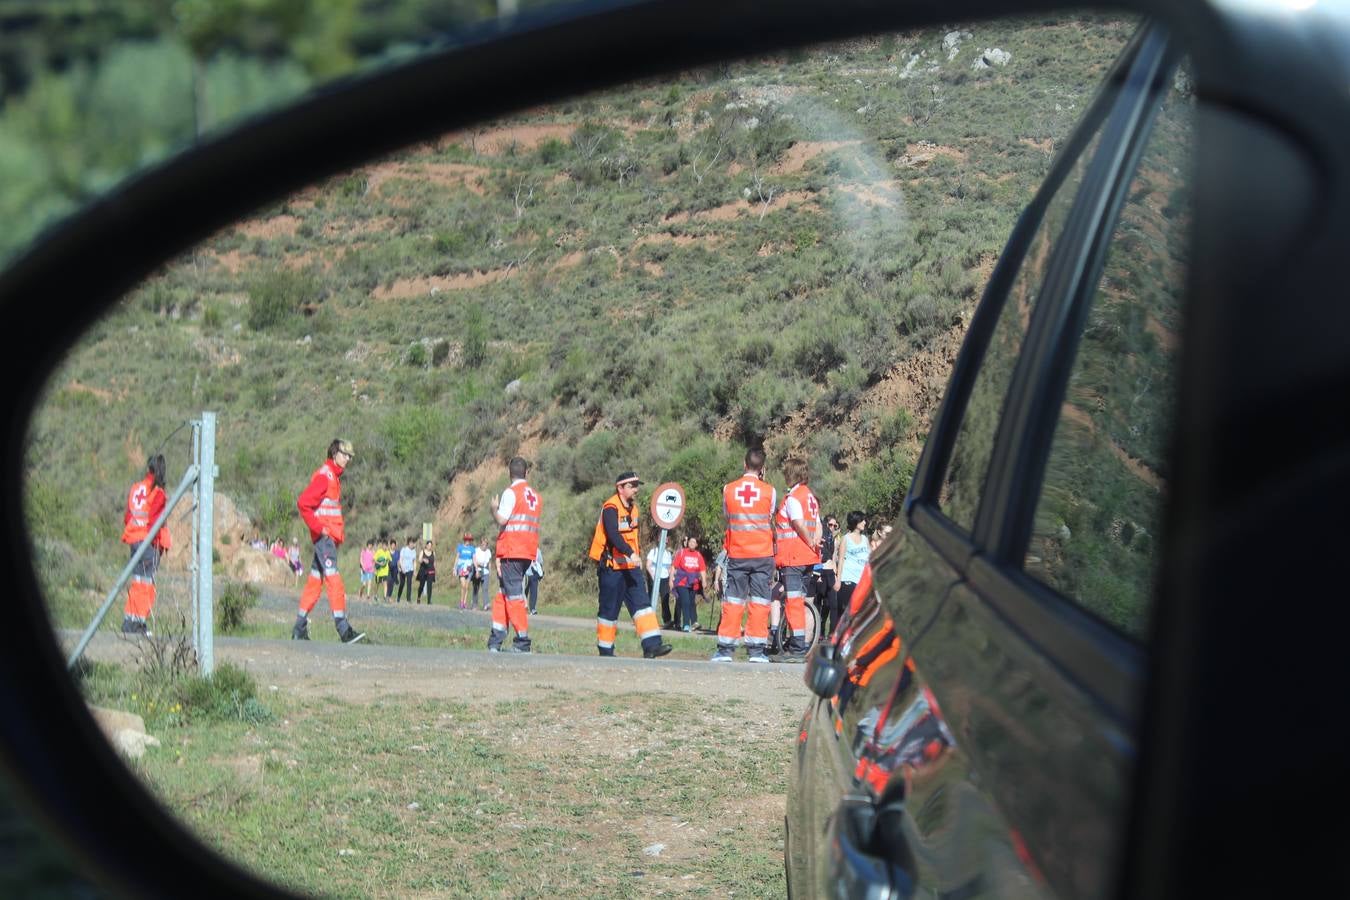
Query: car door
pixel 1001 762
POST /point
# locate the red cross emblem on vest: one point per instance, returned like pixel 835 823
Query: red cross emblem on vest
pixel 138 497
pixel 531 498
pixel 748 493
pixel 811 505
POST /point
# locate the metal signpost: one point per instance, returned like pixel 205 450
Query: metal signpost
pixel 667 512
pixel 200 475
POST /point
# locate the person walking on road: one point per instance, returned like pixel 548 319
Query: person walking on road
pixel 689 570
pixel 426 571
pixel 145 504
pixel 658 573
pixel 407 562
pixel 851 554
pixel 367 569
pixel 517 514
pixel 464 568
pixel 618 560
pixel 533 575
pixel 384 562
pixel 320 506
pixel 748 504
pixel 827 593
pixel 796 552
pixel 482 559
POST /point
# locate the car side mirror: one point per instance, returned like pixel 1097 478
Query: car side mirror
pixel 825 670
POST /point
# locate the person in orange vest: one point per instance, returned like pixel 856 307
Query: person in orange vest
pixel 797 550
pixel 517 513
pixel 618 561
pixel 748 504
pixel 145 503
pixel 320 506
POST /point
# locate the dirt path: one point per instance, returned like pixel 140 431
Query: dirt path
pixel 365 672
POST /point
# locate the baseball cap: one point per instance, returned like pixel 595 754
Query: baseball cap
pixel 345 447
pixel 627 477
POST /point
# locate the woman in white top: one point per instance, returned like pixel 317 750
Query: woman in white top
pixel 851 553
pixel 482 558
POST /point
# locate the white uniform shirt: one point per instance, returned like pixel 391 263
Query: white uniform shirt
pixel 663 570
pixel 508 501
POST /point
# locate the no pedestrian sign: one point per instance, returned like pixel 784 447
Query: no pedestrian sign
pixel 668 505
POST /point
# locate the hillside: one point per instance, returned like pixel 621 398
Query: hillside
pixel 784 250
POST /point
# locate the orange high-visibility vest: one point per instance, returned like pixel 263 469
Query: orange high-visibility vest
pixel 519 537
pixel 792 550
pixel 628 530
pixel 748 502
pixel 144 500
pixel 330 507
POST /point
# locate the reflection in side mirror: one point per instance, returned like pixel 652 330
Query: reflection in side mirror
pixel 824 670
pixel 855 871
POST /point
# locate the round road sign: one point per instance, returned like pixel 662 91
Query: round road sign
pixel 668 505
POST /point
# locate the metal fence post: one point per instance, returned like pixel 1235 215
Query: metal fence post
pixel 206 486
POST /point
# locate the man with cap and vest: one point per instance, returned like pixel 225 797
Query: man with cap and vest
pixel 320 506
pixel 796 552
pixel 618 559
pixel 748 503
pixel 145 503
pixel 517 513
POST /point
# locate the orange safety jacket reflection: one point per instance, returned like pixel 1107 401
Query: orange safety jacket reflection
pixel 145 502
pixel 791 549
pixel 748 503
pixel 628 530
pixel 519 537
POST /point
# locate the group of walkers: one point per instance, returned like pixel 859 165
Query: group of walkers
pixel 765 542
pixel 474 568
pixel 384 564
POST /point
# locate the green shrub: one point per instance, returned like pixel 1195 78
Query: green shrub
pixel 475 348
pixel 228 694
pixel 233 604
pixel 274 299
pixel 551 150
pixel 417 356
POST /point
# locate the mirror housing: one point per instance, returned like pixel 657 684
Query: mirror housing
pixel 825 670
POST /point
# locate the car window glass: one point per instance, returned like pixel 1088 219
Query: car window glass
pixel 963 481
pixel 1097 520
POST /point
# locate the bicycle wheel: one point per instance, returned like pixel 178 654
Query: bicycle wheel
pixel 812 623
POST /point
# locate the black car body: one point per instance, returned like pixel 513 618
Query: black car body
pixel 1080 603
pixel 995 737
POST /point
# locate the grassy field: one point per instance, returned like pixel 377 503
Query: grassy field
pixel 575 790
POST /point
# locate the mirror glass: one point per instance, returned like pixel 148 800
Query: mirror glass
pixel 784 251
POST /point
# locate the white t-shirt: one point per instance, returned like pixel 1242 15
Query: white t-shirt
pixel 508 501
pixel 481 557
pixel 663 570
pixel 406 557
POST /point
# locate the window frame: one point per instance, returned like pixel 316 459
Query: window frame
pixel 1106 662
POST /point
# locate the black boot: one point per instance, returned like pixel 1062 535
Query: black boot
pixel 345 631
pixel 300 631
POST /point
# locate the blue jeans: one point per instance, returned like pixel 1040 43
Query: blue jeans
pixel 687 612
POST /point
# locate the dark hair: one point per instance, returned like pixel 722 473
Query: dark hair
pixel 155 466
pixel 854 518
pixel 754 458
pixel 518 467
